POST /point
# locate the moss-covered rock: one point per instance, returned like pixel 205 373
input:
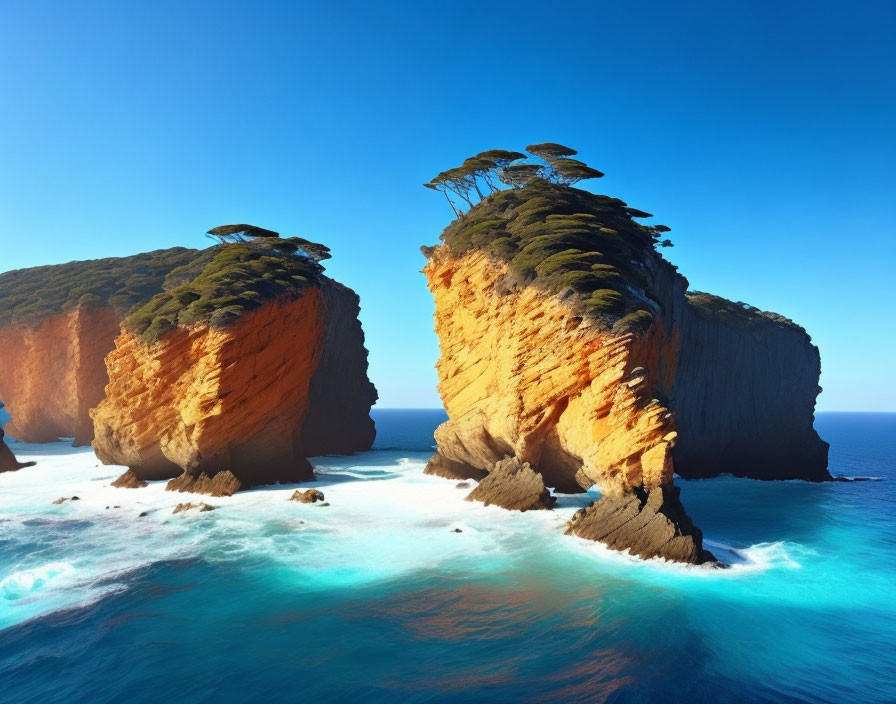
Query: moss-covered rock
pixel 239 277
pixel 28 296
pixel 563 238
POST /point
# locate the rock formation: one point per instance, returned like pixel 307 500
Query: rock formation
pixel 8 461
pixel 646 523
pixel 53 373
pixel 744 395
pixel 129 480
pixel 216 383
pixel 562 333
pixel 308 496
pixel 57 323
pixel 186 507
pixel 513 485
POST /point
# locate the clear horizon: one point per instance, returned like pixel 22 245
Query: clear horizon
pixel 769 157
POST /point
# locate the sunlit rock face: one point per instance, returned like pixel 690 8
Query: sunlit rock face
pixel 223 409
pixel 521 374
pixel 699 390
pixel 52 373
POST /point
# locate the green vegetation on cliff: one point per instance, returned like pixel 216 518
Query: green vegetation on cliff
pixel 552 235
pixel 566 239
pixel 157 291
pixel 27 296
pixel 239 277
pixel 736 314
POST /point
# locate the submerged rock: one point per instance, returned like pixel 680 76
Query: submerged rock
pixel 129 480
pixel 221 484
pixel 309 496
pixel 63 499
pixel 513 485
pixel 647 523
pixel 200 507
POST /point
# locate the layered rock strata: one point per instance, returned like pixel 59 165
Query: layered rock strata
pixel 220 397
pixel 513 485
pixel 646 523
pixel 567 342
pixel 53 373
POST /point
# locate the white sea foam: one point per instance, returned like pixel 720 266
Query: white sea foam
pixel 25 582
pixel 385 519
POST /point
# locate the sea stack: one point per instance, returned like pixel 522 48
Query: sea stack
pixel 233 378
pixel 562 332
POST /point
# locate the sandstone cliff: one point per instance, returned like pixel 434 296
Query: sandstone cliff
pixel 238 392
pixel 57 323
pixel 744 396
pixel 568 342
pixel 53 373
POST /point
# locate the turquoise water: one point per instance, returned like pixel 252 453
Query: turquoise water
pixel 376 597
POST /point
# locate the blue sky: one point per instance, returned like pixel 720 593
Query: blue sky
pixel 761 132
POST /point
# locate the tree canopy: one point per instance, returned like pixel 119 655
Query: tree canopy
pixel 482 175
pixel 240 233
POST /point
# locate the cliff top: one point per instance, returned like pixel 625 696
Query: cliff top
pixel 563 238
pixel 238 277
pixel 737 314
pixel 27 296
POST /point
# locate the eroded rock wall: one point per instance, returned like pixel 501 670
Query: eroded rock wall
pixel 340 394
pixel 521 375
pixel 744 396
pixel 203 400
pixel 53 373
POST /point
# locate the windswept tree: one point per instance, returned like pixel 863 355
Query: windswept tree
pixel 313 250
pixel 550 151
pixel 240 233
pixel 487 170
pixel 518 175
pixel 270 240
pixel 570 171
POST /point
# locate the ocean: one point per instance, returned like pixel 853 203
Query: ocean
pixel 377 598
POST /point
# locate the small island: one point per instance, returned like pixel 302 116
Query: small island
pixel 569 343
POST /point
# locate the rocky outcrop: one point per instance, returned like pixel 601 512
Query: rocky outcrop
pixel 57 323
pixel 515 486
pixel 198 508
pixel 441 466
pixel 223 483
pixel 744 395
pixel 568 343
pixel 8 461
pixel 129 480
pixel 522 375
pixel 309 496
pixel 221 409
pixel 53 373
pixel 202 400
pixel 646 523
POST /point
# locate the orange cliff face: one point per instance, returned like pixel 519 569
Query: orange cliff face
pixel 207 401
pixel 521 374
pixel 52 373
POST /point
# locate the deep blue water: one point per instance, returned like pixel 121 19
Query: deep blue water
pixel 376 598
